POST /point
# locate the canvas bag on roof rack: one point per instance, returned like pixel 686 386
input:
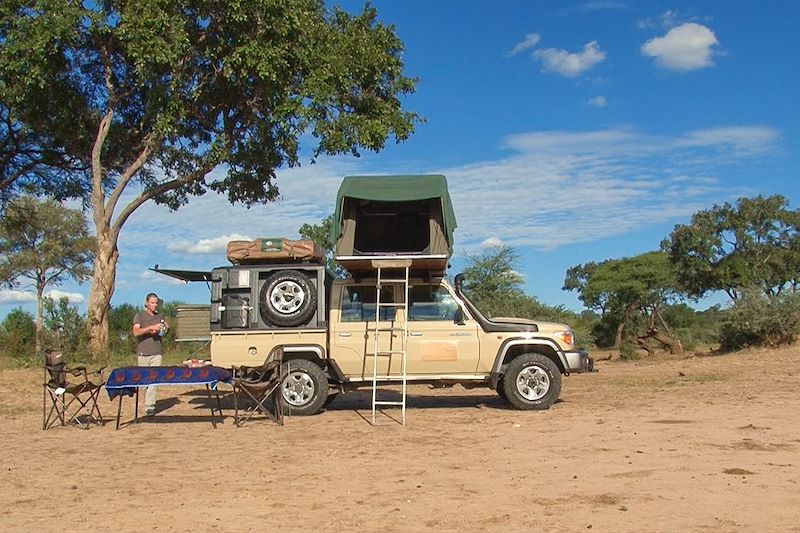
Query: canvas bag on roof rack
pixel 269 250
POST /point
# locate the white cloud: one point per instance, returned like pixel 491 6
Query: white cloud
pixel 530 40
pixel 597 101
pixel 72 297
pixel 565 187
pixel 206 246
pixel 569 64
pixel 11 296
pixel 742 140
pixel 491 242
pixel 685 47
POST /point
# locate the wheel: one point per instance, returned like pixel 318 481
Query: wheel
pixel 288 298
pixel 501 391
pixel 304 388
pixel 532 381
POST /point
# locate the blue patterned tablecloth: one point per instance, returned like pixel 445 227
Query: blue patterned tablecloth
pixel 124 381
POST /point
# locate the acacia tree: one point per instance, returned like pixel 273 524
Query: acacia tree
pixel 626 288
pixel 755 243
pixel 45 243
pixel 162 93
pixel 493 275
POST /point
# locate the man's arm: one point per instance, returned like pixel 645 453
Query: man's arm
pixel 139 331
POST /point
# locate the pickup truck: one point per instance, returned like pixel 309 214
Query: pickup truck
pixel 449 340
pixel 279 295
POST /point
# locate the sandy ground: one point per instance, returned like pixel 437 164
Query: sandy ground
pixel 697 444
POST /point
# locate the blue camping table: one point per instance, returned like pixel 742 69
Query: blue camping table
pixel 126 381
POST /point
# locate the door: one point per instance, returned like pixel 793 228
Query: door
pixel 436 343
pixel 354 328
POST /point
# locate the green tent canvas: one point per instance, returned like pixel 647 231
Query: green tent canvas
pixel 394 216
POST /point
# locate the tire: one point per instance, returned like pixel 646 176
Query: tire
pixel 501 391
pixel 532 381
pixel 304 388
pixel 288 298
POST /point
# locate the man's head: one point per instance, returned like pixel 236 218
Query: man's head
pixel 151 302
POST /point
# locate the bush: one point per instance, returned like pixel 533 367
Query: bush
pixel 628 350
pixel 18 335
pixel 120 339
pixel 65 328
pixel 757 319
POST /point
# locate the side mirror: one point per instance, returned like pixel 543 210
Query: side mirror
pixel 459 316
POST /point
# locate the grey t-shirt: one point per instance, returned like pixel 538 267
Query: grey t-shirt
pixel 147 344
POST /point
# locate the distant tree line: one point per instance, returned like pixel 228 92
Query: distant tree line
pixel 64 328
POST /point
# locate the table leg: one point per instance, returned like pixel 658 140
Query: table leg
pixel 119 409
pixel 136 409
pixel 210 401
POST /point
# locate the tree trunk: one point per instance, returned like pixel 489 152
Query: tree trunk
pixel 618 336
pixel 105 271
pixel 39 313
pixel 626 314
pixel 673 345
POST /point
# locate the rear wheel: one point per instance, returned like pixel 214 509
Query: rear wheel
pixel 304 388
pixel 532 381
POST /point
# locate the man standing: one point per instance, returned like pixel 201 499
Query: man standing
pixel 148 328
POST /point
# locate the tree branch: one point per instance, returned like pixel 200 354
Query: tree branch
pixel 153 192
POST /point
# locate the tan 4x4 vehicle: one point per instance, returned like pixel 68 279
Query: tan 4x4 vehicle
pixel 449 341
pixel 278 295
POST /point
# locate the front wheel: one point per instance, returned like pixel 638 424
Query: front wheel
pixel 532 382
pixel 304 388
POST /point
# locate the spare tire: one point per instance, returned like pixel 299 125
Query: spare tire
pixel 288 298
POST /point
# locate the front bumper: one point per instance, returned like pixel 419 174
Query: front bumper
pixel 579 361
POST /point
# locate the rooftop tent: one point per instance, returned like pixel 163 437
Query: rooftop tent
pixel 394 216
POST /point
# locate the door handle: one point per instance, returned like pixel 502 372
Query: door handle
pixel 345 334
pixel 415 333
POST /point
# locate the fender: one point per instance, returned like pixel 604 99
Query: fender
pixel 524 341
pixel 302 348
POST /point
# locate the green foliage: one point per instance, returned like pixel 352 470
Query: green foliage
pixel 188 86
pixel 695 328
pixel 624 290
pixel 755 243
pixel 645 280
pixel 492 281
pixel 758 319
pixel 322 234
pixel 65 326
pixel 495 287
pixel 628 351
pixel 120 322
pixel 43 243
pixel 17 333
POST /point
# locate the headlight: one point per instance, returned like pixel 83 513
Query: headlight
pixel 566 337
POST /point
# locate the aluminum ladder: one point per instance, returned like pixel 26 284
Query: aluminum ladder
pixel 387 274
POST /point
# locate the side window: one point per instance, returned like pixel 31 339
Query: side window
pixel 431 302
pixel 358 303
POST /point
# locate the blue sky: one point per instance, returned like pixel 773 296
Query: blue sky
pixel 573 132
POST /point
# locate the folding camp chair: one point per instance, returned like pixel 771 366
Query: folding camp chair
pixel 258 384
pixel 70 400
